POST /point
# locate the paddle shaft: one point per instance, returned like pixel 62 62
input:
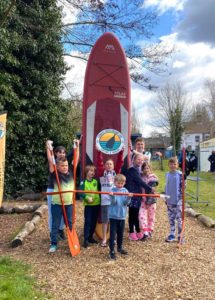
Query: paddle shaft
pixel 109 193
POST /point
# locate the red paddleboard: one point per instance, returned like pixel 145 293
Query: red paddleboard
pixel 106 102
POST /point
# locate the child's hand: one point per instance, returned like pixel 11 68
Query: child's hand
pixel 153 190
pixel 90 200
pixel 130 195
pixel 111 193
pixel 49 145
pixel 76 142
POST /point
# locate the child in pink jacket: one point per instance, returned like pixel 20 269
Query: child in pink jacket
pixel 148 205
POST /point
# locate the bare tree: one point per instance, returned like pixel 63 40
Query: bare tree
pixel 135 121
pixel 210 89
pixel 128 20
pixel 171 111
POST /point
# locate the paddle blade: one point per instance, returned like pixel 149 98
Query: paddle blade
pixel 73 242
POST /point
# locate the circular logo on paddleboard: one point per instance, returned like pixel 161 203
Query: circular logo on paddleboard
pixel 2 130
pixel 109 141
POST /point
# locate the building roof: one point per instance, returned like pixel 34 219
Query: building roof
pixel 157 142
pixel 193 127
pixel 208 143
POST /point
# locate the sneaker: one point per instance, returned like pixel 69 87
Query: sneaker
pixel 145 237
pixel 112 255
pixel 139 235
pixel 61 235
pixel 86 244
pixel 122 251
pixel 53 249
pixel 170 238
pixel 92 241
pixel 133 236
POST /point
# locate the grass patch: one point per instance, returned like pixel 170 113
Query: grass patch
pixel 16 281
pixel 205 191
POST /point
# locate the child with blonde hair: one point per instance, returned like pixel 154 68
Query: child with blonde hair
pixel 106 173
pixel 117 215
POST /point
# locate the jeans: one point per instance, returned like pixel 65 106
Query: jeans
pixel 57 214
pixel 49 202
pixel 116 228
pixel 91 214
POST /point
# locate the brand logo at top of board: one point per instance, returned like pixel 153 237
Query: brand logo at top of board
pixel 118 94
pixel 109 48
pixel 109 141
pixel 2 130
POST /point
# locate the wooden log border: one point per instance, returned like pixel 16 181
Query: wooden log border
pixel 29 226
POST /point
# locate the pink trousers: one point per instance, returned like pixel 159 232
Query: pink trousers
pixel 147 217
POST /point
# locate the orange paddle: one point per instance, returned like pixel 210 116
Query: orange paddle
pixel 74 241
pixel 72 246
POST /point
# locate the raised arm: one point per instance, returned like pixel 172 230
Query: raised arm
pixel 76 144
pixel 49 148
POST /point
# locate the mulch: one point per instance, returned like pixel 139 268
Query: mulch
pixel 152 270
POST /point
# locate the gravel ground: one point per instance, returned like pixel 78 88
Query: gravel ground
pixel 152 270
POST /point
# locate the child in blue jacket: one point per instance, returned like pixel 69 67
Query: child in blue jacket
pixel 117 215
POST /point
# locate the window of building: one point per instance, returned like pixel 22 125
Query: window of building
pixel 197 138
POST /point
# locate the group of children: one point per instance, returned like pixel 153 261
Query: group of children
pixel 121 192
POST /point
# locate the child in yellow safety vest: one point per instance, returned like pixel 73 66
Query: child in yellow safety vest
pixel 91 204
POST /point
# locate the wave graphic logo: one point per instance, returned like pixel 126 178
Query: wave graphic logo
pixel 110 141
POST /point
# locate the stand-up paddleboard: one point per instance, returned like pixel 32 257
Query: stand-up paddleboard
pixel 106 101
pixel 106 104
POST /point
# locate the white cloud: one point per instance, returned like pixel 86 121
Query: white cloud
pixel 164 5
pixel 69 13
pixel 75 76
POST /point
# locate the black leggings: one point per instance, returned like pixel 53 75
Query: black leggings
pixel 133 219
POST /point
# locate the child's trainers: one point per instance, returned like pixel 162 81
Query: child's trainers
pixel 52 248
pixel 145 237
pixel 122 251
pixel 139 235
pixel 133 236
pixel 170 238
pixel 112 255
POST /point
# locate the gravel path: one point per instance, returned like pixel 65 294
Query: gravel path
pixel 152 270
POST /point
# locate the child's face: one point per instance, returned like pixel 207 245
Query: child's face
pixel 60 154
pixel 91 173
pixel 109 166
pixel 138 161
pixel 119 184
pixel 63 167
pixel 146 170
pixel 173 166
pixel 140 146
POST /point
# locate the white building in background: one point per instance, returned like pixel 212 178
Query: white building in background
pixel 205 151
pixel 194 134
pixel 192 140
